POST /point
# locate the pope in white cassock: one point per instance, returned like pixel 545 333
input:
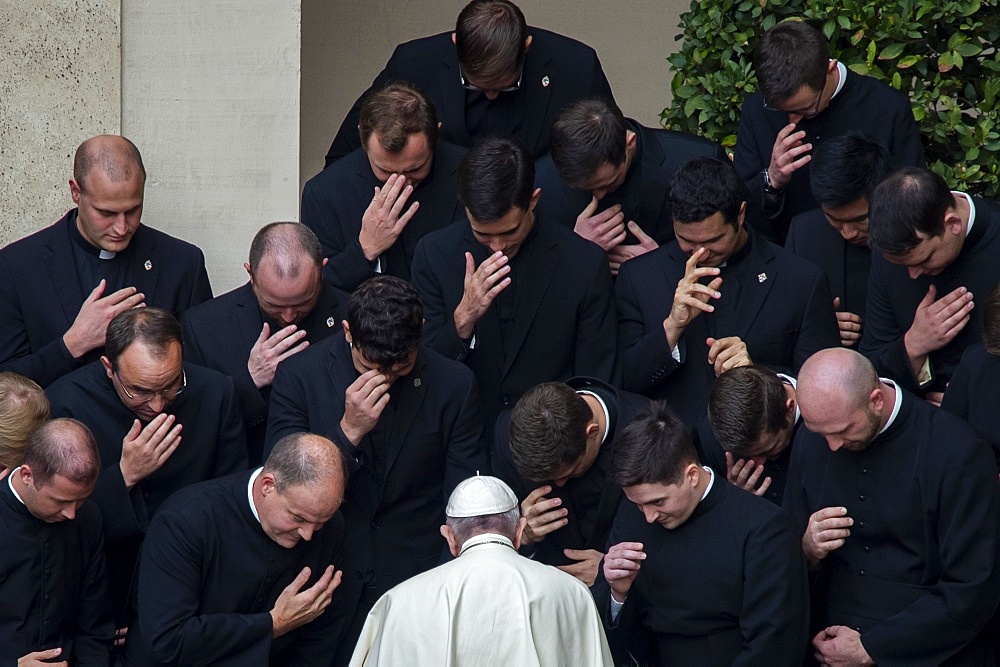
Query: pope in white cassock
pixel 489 606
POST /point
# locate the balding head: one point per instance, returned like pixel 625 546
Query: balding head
pixel 300 488
pixel 841 398
pixel 117 158
pixel 286 271
pixel 60 468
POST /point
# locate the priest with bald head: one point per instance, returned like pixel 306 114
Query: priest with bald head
pixel 897 504
pixel 62 285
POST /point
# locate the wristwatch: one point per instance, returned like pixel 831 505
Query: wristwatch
pixel 766 181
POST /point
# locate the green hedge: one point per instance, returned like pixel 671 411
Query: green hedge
pixel 941 53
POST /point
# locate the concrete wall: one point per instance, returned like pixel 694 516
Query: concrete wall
pixel 210 94
pixel 59 84
pixel 344 45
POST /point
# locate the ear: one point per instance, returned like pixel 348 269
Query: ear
pixel 453 546
pixel 74 191
pixel 107 367
pixel 347 332
pixel 522 523
pixel 953 222
pixel 452 38
pixel 742 215
pixel 249 272
pixel 267 485
pixel 534 199
pixel 692 473
pixel 25 474
pixel 326 260
pixel 790 409
pixel 630 140
pixel 877 398
pixel 527 44
pixel 832 65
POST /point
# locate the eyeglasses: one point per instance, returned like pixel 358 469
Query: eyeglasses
pixel 476 89
pixel 808 113
pixel 168 394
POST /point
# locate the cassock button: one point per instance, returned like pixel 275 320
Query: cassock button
pixel 861 524
pixel 864 471
pixel 861 572
pixel 861 497
pixel 358 574
pixel 505 401
pixel 374 525
pixel 867 548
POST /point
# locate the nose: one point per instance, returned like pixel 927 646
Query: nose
pixel 914 272
pixel 158 403
pixel 650 515
pixel 599 194
pixel 70 511
pixel 834 444
pixel 497 245
pixel 288 316
pixel 306 533
pixel 561 482
pixel 120 226
pixel 794 117
pixel 491 94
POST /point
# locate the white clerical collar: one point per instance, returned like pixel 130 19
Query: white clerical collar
pixel 842 71
pixel 10 483
pixel 607 415
pixel 788 379
pixel 485 538
pixel 106 254
pixel 711 481
pixel 972 211
pixel 253 478
pixel 896 405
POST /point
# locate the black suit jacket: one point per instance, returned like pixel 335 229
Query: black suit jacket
pixel 430 440
pixel 784 314
pixel 864 104
pixel 590 499
pixel 846 265
pixel 212 445
pixel 557 70
pixel 564 322
pixel 335 200
pixel 41 295
pixel 219 334
pixel 643 194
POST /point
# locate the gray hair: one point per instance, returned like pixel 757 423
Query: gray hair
pixel 468 527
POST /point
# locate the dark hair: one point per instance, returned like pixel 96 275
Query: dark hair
pixel 115 156
pixel 395 112
pixel 284 243
pixel 907 201
pixel 548 430
pixel 386 319
pixel 490 38
pixel 653 448
pixel 847 168
pixel 496 175
pixel 588 134
pixel 63 447
pixel 703 187
pixel 790 55
pixel 991 322
pixel 153 327
pixel 746 403
pixel 303 458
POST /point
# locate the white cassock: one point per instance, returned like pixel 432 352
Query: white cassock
pixel 489 606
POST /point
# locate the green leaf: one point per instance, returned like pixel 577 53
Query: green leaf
pixel 871 52
pixel 843 22
pixel 897 80
pixel 828 29
pixel 946 61
pixel 907 62
pixel 968 49
pixel 891 52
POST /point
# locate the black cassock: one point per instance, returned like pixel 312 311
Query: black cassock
pixel 53 584
pixel 209 577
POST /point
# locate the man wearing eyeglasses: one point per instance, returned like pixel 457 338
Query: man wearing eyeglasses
pixel 805 98
pixel 160 425
pixel 493 76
